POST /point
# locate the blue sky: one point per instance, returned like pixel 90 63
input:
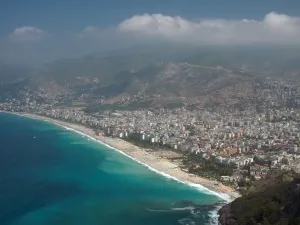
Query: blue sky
pixel 40 30
pixel 60 15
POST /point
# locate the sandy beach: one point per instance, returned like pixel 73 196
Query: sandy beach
pixel 158 162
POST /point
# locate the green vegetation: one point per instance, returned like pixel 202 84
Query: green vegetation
pixel 173 105
pixel 98 108
pixel 275 200
pixel 113 107
pixel 139 105
pixel 207 168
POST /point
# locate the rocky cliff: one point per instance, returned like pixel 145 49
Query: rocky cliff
pixel 275 201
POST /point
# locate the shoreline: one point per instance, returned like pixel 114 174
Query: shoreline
pixel 159 165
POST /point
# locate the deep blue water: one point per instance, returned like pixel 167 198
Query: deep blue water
pixel 51 176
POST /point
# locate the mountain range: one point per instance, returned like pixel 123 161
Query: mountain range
pixel 165 74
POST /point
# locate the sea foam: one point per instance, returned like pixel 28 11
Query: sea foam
pixel 198 187
pixel 213 214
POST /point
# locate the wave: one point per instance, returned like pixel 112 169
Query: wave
pixel 195 214
pixel 214 216
pixel 198 187
pixel 183 208
pixel 186 221
pixel 172 209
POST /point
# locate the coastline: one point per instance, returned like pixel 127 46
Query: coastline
pixel 157 164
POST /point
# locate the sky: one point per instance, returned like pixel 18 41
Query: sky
pixel 39 30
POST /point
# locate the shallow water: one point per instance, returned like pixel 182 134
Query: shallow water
pixel 49 175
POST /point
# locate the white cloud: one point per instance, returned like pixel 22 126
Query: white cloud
pixel 90 29
pixel 274 28
pixel 89 32
pixel 27 33
pixel 29 43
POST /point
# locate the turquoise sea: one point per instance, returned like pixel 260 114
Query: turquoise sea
pixel 52 176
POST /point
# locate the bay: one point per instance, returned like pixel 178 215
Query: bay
pixel 52 176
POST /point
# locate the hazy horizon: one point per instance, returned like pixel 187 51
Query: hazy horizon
pixel 36 33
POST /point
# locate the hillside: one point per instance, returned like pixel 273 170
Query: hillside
pixel 275 200
pixel 171 75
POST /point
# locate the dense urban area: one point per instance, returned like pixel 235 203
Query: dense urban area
pixel 235 144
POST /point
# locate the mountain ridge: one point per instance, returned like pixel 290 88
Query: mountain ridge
pixel 201 75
